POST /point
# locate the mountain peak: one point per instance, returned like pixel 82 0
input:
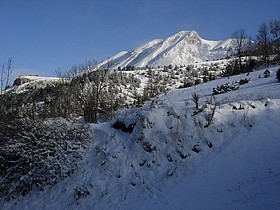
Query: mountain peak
pixel 193 37
pixel 190 33
pixel 186 32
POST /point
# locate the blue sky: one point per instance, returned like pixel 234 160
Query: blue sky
pixel 43 35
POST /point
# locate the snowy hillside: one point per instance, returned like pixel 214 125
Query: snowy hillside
pixel 23 83
pixel 182 48
pixel 170 155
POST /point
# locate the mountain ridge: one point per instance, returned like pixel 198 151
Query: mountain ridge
pixel 184 47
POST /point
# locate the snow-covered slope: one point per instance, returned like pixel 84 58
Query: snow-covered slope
pixel 31 78
pixel 166 156
pixel 23 83
pixel 182 48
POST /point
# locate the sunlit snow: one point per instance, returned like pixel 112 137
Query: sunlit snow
pixel 172 158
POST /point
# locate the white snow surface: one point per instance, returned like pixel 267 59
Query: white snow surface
pixel 182 48
pixel 155 167
pixel 34 81
pixel 36 77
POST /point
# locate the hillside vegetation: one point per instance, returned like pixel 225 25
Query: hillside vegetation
pixel 229 138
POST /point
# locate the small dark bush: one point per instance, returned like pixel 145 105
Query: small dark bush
pixel 243 81
pixel 196 148
pixel 266 73
pixel 81 192
pixel 224 88
pixel 122 126
pixel 278 74
pixel 210 145
pixel 148 147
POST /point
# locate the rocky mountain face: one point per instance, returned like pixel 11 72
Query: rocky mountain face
pixel 182 48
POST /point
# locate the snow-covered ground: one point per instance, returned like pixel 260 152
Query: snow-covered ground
pixel 165 156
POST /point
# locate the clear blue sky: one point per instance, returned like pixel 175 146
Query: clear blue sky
pixel 43 35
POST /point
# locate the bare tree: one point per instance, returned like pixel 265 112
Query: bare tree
pixel 6 72
pixel 264 43
pixel 274 25
pixel 91 91
pixel 84 90
pixel 88 65
pixel 195 99
pixel 62 105
pixel 2 78
pixel 239 45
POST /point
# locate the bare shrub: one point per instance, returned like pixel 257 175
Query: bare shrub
pixel 38 154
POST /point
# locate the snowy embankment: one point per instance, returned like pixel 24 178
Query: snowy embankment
pixel 166 156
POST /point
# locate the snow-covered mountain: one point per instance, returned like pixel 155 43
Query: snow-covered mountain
pixel 182 48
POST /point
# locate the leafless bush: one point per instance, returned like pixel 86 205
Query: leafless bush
pixel 37 155
pixel 212 105
pixel 195 99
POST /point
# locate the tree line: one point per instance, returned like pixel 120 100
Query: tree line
pixel 265 46
pixel 94 94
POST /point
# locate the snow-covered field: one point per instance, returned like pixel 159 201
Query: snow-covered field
pixel 164 156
